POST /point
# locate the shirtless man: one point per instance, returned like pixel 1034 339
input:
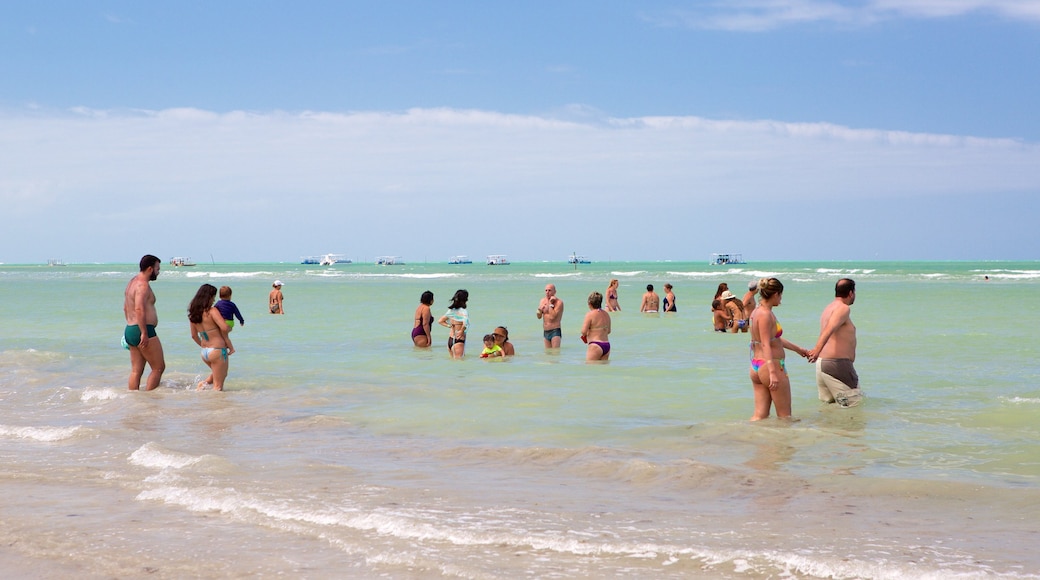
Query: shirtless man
pixel 749 303
pixel 835 351
pixel 550 312
pixel 141 320
pixel 651 301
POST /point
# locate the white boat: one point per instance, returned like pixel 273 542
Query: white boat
pixel 326 259
pixel 55 262
pixel 460 260
pixel 497 260
pixel 179 261
pixel 389 261
pixel 576 259
pixel 724 259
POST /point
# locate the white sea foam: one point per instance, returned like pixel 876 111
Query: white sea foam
pixel 90 395
pixel 555 275
pixel 1021 400
pixel 628 274
pixel 155 456
pixel 43 434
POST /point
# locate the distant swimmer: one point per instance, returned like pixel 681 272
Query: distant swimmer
pixel 141 320
pixel 669 299
pixel 275 298
pixel 550 312
pixel 651 301
pixel 612 297
pixel 835 350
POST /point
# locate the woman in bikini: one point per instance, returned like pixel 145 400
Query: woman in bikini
pixel 209 331
pixel 457 320
pixel 421 336
pixel 768 372
pixel 612 303
pixel 595 330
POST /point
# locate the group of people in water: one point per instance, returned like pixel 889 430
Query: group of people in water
pixel 834 353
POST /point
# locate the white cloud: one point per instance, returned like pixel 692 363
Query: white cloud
pixel 761 15
pixel 86 171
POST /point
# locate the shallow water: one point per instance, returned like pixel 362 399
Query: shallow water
pixel 341 450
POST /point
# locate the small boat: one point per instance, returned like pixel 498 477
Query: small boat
pixel 460 260
pixel 179 261
pixel 325 260
pixel 725 259
pixel 576 259
pixel 389 261
pixel 497 260
pixel 55 262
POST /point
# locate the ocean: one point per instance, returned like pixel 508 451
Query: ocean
pixel 341 451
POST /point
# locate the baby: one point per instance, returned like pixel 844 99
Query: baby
pixel 490 348
pixel 228 309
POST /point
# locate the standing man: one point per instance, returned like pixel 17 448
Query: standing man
pixel 749 304
pixel 141 320
pixel 835 351
pixel 550 311
pixel 274 299
pixel 651 301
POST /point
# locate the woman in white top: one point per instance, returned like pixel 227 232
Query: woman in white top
pixel 457 320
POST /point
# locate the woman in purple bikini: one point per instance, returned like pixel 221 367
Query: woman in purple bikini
pixel 595 330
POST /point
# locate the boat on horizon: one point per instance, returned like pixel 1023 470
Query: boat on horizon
pixel 726 259
pixel 54 262
pixel 460 260
pixel 576 259
pixel 179 261
pixel 389 261
pixel 497 260
pixel 326 260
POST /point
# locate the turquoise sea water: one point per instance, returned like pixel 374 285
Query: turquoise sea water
pixel 341 450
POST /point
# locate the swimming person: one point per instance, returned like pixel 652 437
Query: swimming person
pixel 595 330
pixel 423 323
pixel 228 309
pixel 209 331
pixel 835 350
pixel 141 320
pixel 769 379
pixel 457 321
pixel 502 339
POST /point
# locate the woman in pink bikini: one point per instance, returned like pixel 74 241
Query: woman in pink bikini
pixel 768 373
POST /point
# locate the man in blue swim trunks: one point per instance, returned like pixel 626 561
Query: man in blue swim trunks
pixel 141 320
pixel 550 312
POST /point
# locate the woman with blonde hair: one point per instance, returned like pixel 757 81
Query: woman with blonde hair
pixel 769 379
pixel 612 303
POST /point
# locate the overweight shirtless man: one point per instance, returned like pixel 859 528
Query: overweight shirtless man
pixel 141 320
pixel 835 350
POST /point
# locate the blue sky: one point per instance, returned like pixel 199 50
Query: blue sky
pixel 264 131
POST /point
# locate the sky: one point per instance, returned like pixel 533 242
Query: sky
pixel 262 131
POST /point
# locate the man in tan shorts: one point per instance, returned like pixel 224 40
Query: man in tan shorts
pixel 835 350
